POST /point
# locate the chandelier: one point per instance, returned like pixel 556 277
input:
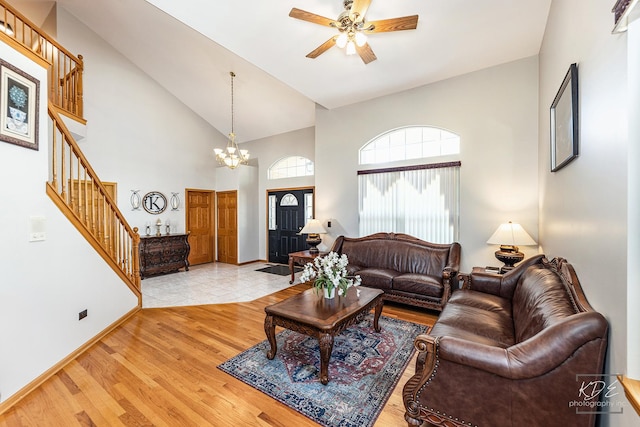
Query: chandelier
pixel 232 156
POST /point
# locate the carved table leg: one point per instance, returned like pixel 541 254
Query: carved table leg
pixel 293 273
pixel 326 347
pixel 376 316
pixel 412 422
pixel 270 330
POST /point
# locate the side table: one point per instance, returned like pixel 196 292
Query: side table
pixel 301 258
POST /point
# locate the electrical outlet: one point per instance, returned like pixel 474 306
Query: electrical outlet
pixel 82 314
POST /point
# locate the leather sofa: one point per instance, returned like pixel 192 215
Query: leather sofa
pixel 508 351
pixel 407 269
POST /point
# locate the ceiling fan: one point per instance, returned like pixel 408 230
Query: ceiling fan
pixel 353 28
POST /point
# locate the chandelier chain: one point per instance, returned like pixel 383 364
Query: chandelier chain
pixel 232 110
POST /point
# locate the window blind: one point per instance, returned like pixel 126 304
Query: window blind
pixel 422 201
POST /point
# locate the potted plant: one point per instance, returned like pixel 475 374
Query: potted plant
pixel 328 273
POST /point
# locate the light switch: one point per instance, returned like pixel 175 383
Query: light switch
pixel 37 228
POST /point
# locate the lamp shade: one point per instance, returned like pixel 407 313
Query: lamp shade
pixel 313 226
pixel 511 234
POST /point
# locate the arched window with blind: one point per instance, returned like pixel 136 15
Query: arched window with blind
pixel 423 199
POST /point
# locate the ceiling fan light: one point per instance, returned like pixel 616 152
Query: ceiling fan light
pixel 361 39
pixel 351 48
pixel 341 41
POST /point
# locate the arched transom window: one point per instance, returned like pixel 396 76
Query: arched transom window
pixel 291 167
pixel 411 142
pixel 289 200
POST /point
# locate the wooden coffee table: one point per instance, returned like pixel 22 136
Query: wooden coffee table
pixel 311 314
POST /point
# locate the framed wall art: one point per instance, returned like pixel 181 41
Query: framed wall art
pixel 19 106
pixel 154 202
pixel 564 121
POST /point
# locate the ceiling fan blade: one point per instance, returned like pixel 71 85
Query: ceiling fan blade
pixel 311 17
pixel 322 48
pixel 393 24
pixel 359 9
pixel 366 53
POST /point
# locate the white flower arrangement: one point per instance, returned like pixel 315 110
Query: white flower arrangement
pixel 330 271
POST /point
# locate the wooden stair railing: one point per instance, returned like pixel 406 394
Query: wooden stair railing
pixel 73 185
pixel 76 189
pixel 65 70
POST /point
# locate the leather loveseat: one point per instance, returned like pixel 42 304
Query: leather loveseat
pixel 510 350
pixel 407 269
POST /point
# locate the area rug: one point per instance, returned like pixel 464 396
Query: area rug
pixel 364 369
pixel 281 270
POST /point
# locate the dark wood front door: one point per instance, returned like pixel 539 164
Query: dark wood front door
pixel 287 216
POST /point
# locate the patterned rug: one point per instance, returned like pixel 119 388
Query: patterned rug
pixel 364 369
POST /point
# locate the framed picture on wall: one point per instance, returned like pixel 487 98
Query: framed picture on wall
pixel 564 121
pixel 19 106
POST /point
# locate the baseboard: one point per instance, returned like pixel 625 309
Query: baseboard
pixel 248 262
pixel 37 382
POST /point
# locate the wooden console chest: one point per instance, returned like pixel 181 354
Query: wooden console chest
pixel 163 254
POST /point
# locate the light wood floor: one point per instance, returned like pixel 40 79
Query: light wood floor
pixel 159 368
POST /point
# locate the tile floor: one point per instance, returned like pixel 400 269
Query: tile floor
pixel 213 283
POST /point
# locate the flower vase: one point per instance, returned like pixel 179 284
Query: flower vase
pixel 329 294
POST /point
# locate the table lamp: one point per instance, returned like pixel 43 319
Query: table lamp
pixel 313 229
pixel 509 236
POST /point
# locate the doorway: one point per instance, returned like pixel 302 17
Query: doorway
pixel 200 225
pixel 288 211
pixel 227 205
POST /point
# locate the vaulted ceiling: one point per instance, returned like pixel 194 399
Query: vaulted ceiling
pixel 190 46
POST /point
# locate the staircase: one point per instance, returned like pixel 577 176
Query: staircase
pixel 78 192
pixel 73 185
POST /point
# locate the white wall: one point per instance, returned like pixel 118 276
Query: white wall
pixel 495 113
pixel 266 152
pixel 633 194
pixel 45 284
pixel 583 207
pixel 138 135
pixel 244 179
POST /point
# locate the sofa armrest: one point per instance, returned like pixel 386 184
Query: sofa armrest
pixel 534 357
pixel 337 245
pixel 426 365
pixel 488 283
pixel 453 261
pixel 450 272
pixel 501 285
